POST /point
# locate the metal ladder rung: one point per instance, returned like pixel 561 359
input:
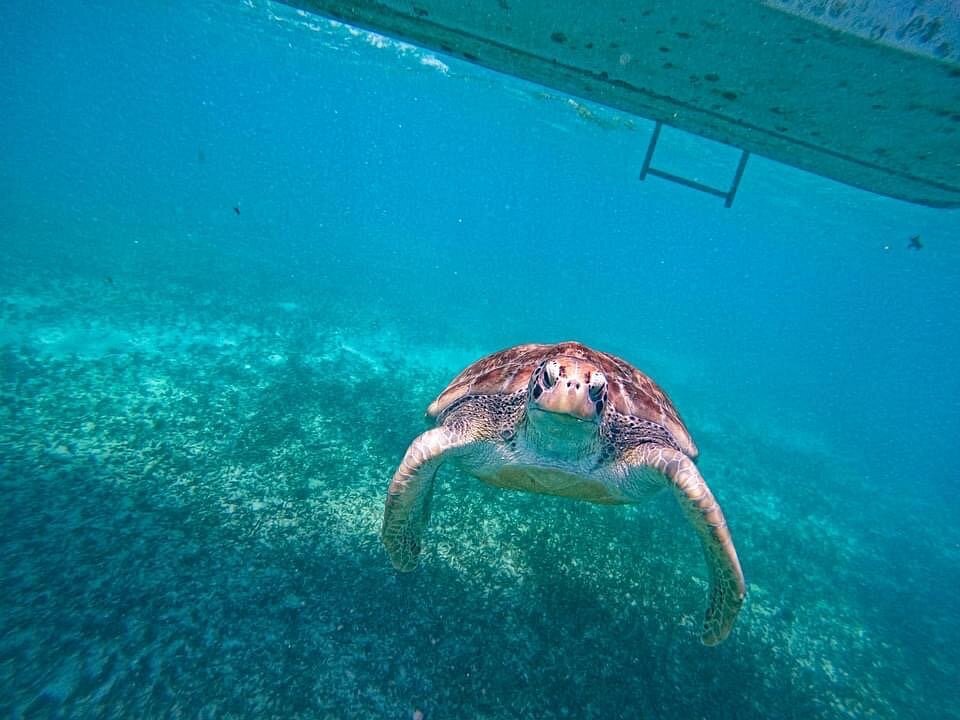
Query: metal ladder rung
pixel 727 195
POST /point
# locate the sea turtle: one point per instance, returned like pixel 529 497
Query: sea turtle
pixel 564 420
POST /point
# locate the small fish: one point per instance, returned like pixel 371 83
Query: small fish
pixel 107 280
pixel 236 209
pixel 201 156
pixel 915 243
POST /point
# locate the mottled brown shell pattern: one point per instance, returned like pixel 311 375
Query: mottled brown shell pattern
pixel 629 391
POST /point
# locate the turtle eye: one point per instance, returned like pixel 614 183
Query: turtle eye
pixel 551 371
pixel 598 384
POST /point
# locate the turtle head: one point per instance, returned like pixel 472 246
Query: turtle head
pixel 568 388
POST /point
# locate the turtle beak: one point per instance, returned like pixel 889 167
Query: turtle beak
pixel 567 401
pixel 570 390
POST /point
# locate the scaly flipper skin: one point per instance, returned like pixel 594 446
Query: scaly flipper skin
pixel 408 498
pixel 727 586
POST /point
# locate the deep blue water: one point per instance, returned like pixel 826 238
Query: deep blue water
pixel 398 218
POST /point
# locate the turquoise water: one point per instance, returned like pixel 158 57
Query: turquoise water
pixel 240 252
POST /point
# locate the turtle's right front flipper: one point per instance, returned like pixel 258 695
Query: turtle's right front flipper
pixel 408 498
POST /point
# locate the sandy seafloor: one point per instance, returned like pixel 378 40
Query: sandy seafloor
pixel 200 411
pixel 193 483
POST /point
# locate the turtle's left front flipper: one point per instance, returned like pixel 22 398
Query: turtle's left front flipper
pixel 407 510
pixel 727 586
